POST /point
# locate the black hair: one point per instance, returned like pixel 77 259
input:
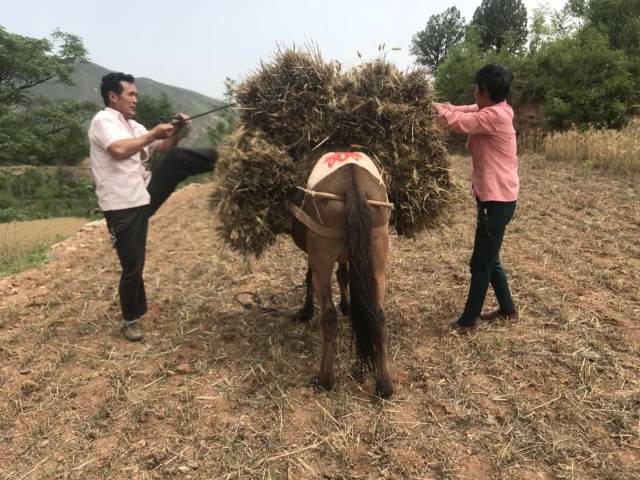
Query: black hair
pixel 495 80
pixel 111 83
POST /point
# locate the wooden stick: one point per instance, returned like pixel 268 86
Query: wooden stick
pixel 333 196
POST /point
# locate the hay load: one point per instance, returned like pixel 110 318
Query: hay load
pixel 298 102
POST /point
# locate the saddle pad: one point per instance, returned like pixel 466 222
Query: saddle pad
pixel 332 161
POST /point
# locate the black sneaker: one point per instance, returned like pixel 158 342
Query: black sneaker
pixel 457 327
pixel 500 315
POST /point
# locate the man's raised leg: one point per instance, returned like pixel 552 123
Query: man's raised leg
pixel 178 164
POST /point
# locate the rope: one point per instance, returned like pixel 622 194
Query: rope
pixel 257 302
pixel 333 196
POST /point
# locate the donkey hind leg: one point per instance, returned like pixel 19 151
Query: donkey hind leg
pixel 321 276
pixel 306 312
pixel 343 281
pixel 384 385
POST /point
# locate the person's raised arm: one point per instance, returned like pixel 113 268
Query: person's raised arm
pixel 125 148
pixel 457 108
pixel 469 122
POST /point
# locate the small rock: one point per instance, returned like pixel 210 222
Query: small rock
pixel 183 368
pixel 29 386
pixel 591 355
pixel 306 392
pixel 184 469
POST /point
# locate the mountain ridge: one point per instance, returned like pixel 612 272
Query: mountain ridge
pixel 86 86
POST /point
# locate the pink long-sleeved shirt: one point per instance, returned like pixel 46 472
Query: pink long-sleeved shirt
pixel 492 144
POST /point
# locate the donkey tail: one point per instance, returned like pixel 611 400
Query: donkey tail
pixel 366 316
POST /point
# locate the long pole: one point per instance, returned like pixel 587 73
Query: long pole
pixel 177 120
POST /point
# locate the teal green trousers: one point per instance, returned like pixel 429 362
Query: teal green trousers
pixel 485 265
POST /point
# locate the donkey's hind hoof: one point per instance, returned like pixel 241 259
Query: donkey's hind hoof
pixel 384 389
pixel 303 315
pixel 344 307
pixel 322 384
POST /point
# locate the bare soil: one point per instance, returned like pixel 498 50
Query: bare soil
pixel 217 390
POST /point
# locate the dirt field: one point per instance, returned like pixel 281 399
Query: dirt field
pixel 220 391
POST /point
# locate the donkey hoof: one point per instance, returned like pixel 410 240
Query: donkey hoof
pixel 304 315
pixel 321 383
pixel 384 389
pixel 344 307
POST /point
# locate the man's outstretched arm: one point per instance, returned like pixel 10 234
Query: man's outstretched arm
pixel 121 149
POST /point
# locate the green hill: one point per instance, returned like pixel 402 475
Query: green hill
pixel 86 86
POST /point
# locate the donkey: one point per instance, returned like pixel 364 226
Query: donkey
pixel 344 219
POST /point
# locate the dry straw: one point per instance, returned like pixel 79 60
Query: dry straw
pixel 297 102
pixel 612 149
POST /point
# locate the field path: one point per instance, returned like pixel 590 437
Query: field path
pixel 217 390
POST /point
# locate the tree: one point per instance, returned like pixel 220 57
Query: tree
pixel 443 31
pixel 150 110
pixel 226 124
pixel 584 81
pixel 37 130
pixel 455 79
pixel 548 25
pixel 541 31
pixel 577 8
pixel 227 119
pixel 502 24
pixel 26 62
pixel 153 110
pixel 620 20
pixel 43 132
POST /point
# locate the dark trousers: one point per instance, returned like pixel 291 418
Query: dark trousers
pixel 486 269
pixel 129 226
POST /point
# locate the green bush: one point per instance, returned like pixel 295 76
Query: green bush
pixel 44 132
pixel 584 81
pixel 455 79
pixel 580 79
pixel 38 194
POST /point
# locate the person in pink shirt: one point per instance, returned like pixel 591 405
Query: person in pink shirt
pixel 494 183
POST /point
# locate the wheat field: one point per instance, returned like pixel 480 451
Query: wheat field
pixel 19 240
pixel 610 149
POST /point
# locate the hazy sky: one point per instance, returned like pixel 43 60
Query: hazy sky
pixel 195 44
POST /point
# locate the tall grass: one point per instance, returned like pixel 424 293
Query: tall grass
pixel 610 149
pixel 24 244
pixel 531 141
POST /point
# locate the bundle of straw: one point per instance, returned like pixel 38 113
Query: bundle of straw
pixel 298 102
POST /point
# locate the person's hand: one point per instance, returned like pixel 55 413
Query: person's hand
pixel 181 120
pixel 444 106
pixel 163 130
pixel 441 109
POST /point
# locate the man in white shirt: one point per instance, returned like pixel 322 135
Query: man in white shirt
pixel 128 193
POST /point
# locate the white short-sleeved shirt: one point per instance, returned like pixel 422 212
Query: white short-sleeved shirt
pixel 123 183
